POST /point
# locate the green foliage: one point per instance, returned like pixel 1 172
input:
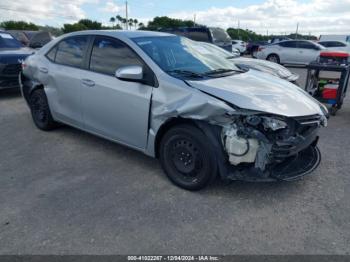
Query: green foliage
pixel 245 35
pixel 18 25
pixel 83 24
pixel 167 22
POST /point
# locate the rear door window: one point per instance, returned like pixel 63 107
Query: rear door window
pixel 289 44
pixel 306 45
pixel 71 51
pixel 109 54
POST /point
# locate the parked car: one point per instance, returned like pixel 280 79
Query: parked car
pixel 299 52
pixel 12 53
pixel 256 64
pixel 240 45
pixel 169 98
pixel 278 39
pixel 214 35
pixel 336 45
pixel 32 39
pixel 253 46
pixel 343 38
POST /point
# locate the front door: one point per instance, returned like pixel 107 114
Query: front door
pixel 114 108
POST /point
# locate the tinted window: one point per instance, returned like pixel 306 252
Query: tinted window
pixel 306 45
pixel 220 35
pixel 71 51
pixel 7 41
pixel 234 42
pixel 335 44
pixel 290 44
pixel 108 55
pixel 198 35
pixel 325 44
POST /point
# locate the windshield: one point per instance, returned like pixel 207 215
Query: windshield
pixel 220 51
pixel 7 41
pixel 220 35
pixel 321 47
pixel 174 54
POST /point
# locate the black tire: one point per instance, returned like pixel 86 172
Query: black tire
pixel 40 110
pixel 187 158
pixel 274 58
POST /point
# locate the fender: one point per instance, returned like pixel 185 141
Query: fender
pixel 27 86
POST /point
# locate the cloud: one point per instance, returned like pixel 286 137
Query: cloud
pixel 279 16
pixel 43 11
pixel 112 7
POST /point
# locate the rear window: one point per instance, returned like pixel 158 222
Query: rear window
pixel 220 35
pixel 8 41
pixel 198 35
pixel 290 44
pixel 71 51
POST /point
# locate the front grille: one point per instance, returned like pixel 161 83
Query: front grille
pixel 13 69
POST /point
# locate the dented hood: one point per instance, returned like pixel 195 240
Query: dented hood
pixel 261 92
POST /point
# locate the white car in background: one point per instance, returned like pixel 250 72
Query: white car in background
pixel 299 52
pixel 336 45
pixel 240 45
pixel 246 63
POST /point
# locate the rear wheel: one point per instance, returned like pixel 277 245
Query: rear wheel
pixel 273 58
pixel 187 158
pixel 40 110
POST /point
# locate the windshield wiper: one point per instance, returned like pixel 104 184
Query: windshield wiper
pixel 222 71
pixel 186 73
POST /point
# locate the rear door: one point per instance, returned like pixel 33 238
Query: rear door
pixel 63 78
pixel 288 52
pixel 114 108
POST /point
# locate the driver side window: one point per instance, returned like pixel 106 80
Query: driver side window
pixel 108 55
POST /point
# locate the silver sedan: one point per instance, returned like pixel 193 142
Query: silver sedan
pixel 169 98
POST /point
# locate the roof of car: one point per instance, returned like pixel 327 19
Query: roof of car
pixel 122 33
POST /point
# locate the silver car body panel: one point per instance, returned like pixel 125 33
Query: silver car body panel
pixel 132 113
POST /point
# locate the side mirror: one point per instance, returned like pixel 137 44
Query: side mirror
pixel 131 73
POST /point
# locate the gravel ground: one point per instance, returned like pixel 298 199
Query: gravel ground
pixel 67 192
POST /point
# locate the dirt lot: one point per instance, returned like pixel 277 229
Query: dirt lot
pixel 67 192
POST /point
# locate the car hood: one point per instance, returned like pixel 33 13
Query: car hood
pixel 258 91
pixel 267 67
pixel 12 55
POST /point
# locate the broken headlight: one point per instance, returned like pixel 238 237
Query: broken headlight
pixel 273 123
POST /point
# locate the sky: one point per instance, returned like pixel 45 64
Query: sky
pixel 262 16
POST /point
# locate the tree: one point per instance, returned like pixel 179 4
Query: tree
pixel 135 22
pixel 112 20
pixel 67 28
pixel 18 25
pixel 91 25
pixel 167 22
pixel 141 26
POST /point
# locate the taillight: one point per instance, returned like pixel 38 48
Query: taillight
pixel 24 65
pixel 260 49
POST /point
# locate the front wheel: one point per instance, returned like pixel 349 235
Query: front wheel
pixel 187 158
pixel 40 110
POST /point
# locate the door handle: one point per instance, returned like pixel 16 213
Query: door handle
pixel 88 82
pixel 43 70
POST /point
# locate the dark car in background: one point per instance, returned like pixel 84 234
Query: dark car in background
pixel 12 53
pixel 213 35
pixel 32 39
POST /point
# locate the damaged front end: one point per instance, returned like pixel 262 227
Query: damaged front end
pixel 262 147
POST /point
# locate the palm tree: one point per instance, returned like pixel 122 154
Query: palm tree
pixel 141 25
pixel 112 20
pixel 119 18
pixel 131 22
pixel 135 22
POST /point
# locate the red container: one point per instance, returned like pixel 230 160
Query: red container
pixel 330 91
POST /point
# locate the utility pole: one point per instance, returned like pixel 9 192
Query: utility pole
pixel 126 15
pixel 296 33
pixel 194 20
